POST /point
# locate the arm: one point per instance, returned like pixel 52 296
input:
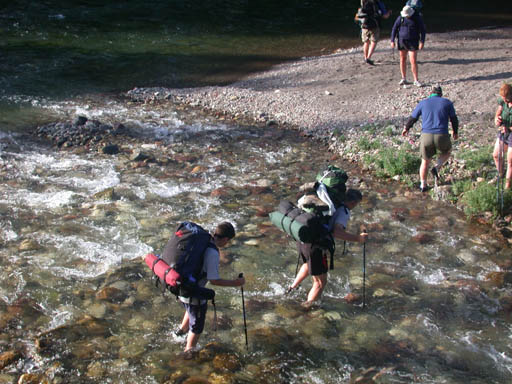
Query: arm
pixel 409 125
pixel 423 31
pixel 497 117
pixel 228 283
pixel 340 233
pixel 455 126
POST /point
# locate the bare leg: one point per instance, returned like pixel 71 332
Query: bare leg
pixel 319 283
pixel 414 64
pixel 373 44
pixel 403 64
pixel 442 159
pixel 184 322
pixel 498 156
pixel 192 339
pixel 424 171
pixel 303 273
pixel 366 48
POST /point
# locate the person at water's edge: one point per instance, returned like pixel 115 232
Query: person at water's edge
pixel 503 120
pixel 195 309
pixel 314 256
pixel 435 112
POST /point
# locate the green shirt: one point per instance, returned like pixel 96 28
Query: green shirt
pixel 506 113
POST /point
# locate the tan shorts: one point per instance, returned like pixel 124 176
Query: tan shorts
pixel 370 35
pixel 430 143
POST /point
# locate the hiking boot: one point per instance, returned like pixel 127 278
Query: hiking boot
pixel 424 189
pixel 403 82
pixel 418 84
pixel 370 62
pixel 435 174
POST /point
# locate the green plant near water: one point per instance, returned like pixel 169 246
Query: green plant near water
pixel 365 144
pixel 483 198
pixel 476 159
pixel 391 162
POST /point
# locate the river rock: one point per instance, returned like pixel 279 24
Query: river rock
pixel 29 245
pixel 226 362
pixel 422 238
pixel 221 378
pixel 106 194
pixel 33 378
pixel 9 357
pixel 111 294
pixel 96 370
pixel 499 279
pixel 110 149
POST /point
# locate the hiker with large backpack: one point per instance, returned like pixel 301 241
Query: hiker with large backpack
pixel 369 17
pixel 327 204
pixel 191 259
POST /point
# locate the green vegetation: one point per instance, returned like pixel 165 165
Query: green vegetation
pixel 391 162
pixel 476 159
pixel 365 144
pixel 483 198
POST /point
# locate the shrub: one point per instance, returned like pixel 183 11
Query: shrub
pixel 391 162
pixel 484 198
pixel 365 144
pixel 477 159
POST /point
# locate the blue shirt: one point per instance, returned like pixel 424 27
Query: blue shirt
pixel 435 113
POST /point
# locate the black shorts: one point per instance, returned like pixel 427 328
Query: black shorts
pixel 315 256
pixel 196 316
pixel 408 45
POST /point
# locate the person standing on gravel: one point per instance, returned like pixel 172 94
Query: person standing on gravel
pixel 410 32
pixel 503 120
pixel 369 15
pixel 435 112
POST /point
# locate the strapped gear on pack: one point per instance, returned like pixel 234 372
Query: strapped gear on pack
pixel 309 221
pixel 367 14
pixel 180 268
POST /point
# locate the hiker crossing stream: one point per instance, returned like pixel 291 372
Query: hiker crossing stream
pixel 77 302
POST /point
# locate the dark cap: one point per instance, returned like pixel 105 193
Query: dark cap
pixel 437 90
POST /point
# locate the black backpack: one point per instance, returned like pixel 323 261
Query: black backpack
pixel 184 254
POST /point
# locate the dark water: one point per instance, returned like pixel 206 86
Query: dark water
pixel 60 49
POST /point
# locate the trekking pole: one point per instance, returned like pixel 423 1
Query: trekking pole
pixel 499 189
pixel 243 310
pixel 503 170
pixel 364 271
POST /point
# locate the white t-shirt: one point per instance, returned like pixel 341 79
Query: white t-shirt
pixel 341 216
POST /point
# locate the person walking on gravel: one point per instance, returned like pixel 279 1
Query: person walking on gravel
pixel 503 120
pixel 369 15
pixel 435 111
pixel 410 32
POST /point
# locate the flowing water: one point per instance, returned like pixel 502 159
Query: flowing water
pixel 77 304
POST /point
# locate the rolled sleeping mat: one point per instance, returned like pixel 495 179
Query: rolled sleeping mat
pixel 298 231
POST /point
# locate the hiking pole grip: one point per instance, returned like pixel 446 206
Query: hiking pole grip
pixel 243 311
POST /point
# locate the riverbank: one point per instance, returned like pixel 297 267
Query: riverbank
pixel 336 97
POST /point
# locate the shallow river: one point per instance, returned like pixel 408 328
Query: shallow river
pixel 78 305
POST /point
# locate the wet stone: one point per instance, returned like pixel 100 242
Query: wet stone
pixel 423 238
pixel 226 362
pixel 9 357
pixel 111 294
